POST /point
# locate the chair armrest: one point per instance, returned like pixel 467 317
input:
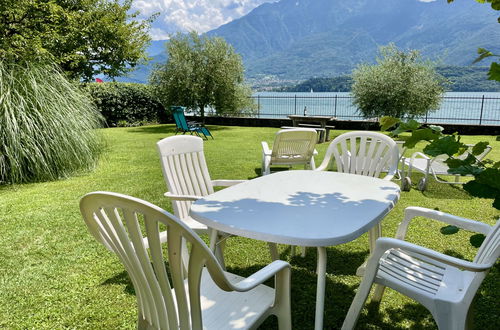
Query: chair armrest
pixel 464 223
pixel 182 197
pixel 261 276
pixel 388 177
pixel 226 183
pixel 385 243
pixel 265 148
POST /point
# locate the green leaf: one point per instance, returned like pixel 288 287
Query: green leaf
pixel 494 73
pixel 387 122
pixel 476 240
pixel 449 145
pixel 479 147
pixel 483 53
pixel 425 134
pixel 495 4
pixel 449 230
pixel 436 128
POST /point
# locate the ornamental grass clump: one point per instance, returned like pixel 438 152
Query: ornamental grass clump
pixel 47 125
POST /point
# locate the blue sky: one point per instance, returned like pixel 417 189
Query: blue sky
pixel 187 15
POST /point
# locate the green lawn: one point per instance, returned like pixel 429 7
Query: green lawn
pixel 53 274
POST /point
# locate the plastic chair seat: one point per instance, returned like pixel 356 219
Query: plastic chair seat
pixel 231 310
pixel 410 272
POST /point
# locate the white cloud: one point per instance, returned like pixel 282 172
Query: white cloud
pixel 187 15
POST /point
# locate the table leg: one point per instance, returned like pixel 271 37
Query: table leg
pixel 320 290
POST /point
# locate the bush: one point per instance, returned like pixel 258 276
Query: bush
pixel 400 85
pixel 126 104
pixel 47 125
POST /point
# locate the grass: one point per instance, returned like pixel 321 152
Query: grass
pixel 53 274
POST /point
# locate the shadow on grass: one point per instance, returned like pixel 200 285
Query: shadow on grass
pixel 121 279
pixel 169 129
pixel 440 190
pixel 338 262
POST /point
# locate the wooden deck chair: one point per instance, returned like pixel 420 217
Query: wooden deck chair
pixel 445 285
pixel 169 297
pixel 290 147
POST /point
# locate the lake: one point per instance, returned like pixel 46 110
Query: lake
pixel 456 108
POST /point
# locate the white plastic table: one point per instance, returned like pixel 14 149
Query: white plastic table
pixel 305 208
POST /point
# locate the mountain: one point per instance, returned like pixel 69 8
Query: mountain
pixel 299 39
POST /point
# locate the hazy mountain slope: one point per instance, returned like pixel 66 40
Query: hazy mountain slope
pixel 298 39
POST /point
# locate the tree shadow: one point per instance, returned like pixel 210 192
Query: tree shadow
pixel 121 279
pixel 339 262
pixel 439 190
pixel 170 129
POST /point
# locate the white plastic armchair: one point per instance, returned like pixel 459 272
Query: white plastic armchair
pixel 363 153
pixel 169 297
pixel 290 147
pixel 186 175
pixel 436 166
pixel 443 284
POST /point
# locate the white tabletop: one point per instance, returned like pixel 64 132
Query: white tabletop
pixel 305 208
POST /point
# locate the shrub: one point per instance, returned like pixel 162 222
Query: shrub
pixel 400 85
pixel 126 104
pixel 47 125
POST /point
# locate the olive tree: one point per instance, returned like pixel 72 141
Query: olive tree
pixel 202 72
pixel 400 85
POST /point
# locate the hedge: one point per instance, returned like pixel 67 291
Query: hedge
pixel 126 104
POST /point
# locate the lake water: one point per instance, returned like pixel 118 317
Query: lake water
pixel 456 108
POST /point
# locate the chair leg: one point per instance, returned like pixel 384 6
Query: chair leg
pixel 449 318
pixel 379 292
pixel 273 249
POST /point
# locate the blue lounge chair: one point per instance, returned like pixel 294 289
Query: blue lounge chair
pixel 188 126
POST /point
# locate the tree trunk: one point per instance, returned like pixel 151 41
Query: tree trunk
pixel 202 113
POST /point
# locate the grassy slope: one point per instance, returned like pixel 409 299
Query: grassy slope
pixel 53 274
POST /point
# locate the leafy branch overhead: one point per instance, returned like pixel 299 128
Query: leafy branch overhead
pixel 486 182
pixel 494 72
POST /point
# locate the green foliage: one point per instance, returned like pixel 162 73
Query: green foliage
pixel 84 37
pixel 486 183
pixel 126 104
pixel 494 73
pixel 399 85
pixel 202 72
pixel 47 125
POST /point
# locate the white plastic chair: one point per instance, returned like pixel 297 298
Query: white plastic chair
pixel 435 166
pixel 168 297
pixel 445 285
pixel 186 175
pixel 290 147
pixel 364 153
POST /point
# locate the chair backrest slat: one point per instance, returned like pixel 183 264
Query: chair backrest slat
pixel 116 220
pixel 362 153
pixel 184 169
pixel 293 146
pixel 490 249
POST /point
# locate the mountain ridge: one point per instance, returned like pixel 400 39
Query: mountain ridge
pixel 299 39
